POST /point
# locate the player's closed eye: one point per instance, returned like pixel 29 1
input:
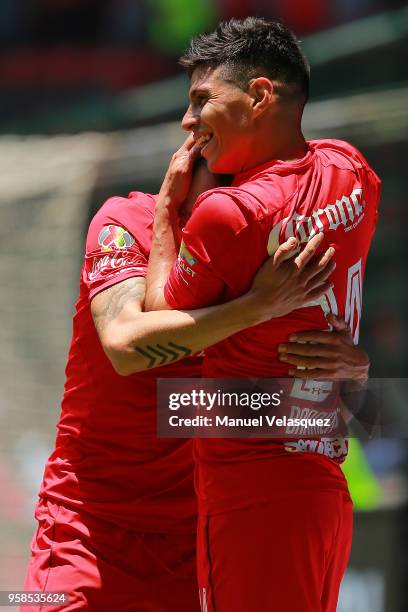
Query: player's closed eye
pixel 201 100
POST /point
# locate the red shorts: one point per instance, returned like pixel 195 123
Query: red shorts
pixel 103 567
pixel 285 556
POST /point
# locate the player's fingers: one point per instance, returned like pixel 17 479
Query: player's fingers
pixel 309 251
pixel 321 363
pixel 191 148
pixel 307 350
pixel 318 265
pixel 320 277
pixel 195 152
pixel 327 255
pixel 317 293
pixel 338 323
pixel 321 337
pixel 184 158
pixel 312 374
pixel 188 143
pixel 188 151
pixel 285 251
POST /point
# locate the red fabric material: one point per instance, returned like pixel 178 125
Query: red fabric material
pixel 230 234
pixel 107 459
pixel 103 567
pixel 288 555
pixel 229 486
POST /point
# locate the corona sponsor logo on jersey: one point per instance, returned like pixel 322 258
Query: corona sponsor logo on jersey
pixel 347 211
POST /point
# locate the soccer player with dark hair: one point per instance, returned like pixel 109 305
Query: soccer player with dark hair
pixel 275 516
pixel 117 509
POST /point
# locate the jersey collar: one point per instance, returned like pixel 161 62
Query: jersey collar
pixel 277 165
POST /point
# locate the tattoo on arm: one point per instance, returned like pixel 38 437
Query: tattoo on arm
pixel 165 354
pixel 115 298
pixel 108 305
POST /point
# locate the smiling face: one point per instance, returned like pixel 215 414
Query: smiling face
pixel 220 115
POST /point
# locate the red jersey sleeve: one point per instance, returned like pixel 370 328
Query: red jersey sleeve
pixel 213 252
pixel 116 243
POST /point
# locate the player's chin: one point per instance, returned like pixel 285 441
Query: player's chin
pixel 217 166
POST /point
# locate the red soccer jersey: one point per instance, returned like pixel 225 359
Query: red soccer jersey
pixel 230 234
pixel 107 459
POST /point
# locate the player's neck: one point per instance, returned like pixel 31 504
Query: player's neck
pixel 286 142
pixel 294 148
pixel 289 148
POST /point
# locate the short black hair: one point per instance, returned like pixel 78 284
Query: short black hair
pixel 252 47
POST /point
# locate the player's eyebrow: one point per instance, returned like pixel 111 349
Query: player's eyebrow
pixel 198 91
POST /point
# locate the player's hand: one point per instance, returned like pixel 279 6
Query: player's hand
pixel 289 279
pixel 326 354
pixel 177 181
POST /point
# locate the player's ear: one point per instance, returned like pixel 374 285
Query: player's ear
pixel 260 91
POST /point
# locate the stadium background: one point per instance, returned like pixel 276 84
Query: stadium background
pixel 90 99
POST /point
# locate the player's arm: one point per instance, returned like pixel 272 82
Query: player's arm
pixel 162 255
pixel 217 222
pixel 135 340
pixel 173 192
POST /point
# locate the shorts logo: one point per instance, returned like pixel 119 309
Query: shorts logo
pixel 186 255
pixel 114 237
pixel 203 599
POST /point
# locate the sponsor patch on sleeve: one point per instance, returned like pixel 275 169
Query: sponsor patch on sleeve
pixel 186 262
pixel 113 237
pixel 118 253
pixel 185 254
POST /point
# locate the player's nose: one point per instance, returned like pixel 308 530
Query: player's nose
pixel 190 120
